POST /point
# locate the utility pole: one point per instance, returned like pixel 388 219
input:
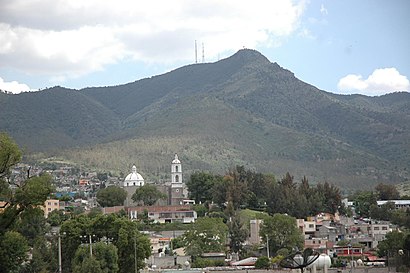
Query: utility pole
pixel 135 254
pixel 60 270
pixel 267 245
pixel 91 246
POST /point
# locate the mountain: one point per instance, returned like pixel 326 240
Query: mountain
pixel 241 110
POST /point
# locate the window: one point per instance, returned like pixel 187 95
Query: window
pixel 384 228
pixel 165 215
pixel 376 228
pixel 176 178
pixel 176 168
pixel 311 225
pixel 49 203
pixel 189 214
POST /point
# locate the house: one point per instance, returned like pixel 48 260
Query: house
pixel 308 228
pixel 398 204
pixel 354 252
pixel 165 214
pixel 50 205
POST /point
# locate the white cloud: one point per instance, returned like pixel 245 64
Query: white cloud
pixel 70 38
pixel 13 86
pixel 381 81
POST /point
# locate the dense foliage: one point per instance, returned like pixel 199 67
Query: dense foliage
pixel 148 195
pixel 241 188
pixel 118 230
pixel 111 196
pixel 205 235
pixel 282 232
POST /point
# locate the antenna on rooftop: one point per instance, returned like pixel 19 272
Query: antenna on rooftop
pixel 196 53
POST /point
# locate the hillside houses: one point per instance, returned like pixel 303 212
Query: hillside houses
pixel 329 234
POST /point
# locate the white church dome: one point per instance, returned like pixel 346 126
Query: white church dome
pixel 134 178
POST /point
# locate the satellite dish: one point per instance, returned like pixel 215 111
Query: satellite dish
pixel 300 260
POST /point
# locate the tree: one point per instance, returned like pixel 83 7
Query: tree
pixel 384 212
pixel 262 263
pixel 31 224
pixel 205 235
pixel 57 217
pixel 363 200
pixel 10 155
pixel 282 232
pixel 237 234
pixel 232 188
pixel 148 194
pixel 237 187
pixel 120 230
pixel 391 244
pixel 44 258
pixel 387 192
pixel 89 264
pixel 200 186
pixel 106 256
pixel 111 196
pixel 30 194
pixel 332 197
pixel 13 251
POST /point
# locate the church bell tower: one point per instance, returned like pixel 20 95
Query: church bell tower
pixel 176 182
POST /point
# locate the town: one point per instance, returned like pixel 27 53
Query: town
pixel 183 225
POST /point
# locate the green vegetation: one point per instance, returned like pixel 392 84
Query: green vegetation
pixel 148 195
pixel 27 196
pixel 23 227
pixel 241 188
pixel 205 235
pixel 111 196
pixel 263 262
pixel 282 233
pixel 243 110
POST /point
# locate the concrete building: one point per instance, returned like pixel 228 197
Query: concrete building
pixel 50 205
pixel 255 226
pixel 174 189
pixel 165 214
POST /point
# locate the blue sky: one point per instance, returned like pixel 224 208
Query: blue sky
pixel 341 46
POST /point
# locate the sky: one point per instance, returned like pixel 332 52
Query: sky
pixel 340 46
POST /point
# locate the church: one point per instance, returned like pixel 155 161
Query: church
pixel 174 190
pixel 176 207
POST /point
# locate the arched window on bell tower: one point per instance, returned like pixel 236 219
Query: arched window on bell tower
pixel 176 169
pixel 176 178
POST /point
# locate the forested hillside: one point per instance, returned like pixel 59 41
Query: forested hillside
pixel 241 110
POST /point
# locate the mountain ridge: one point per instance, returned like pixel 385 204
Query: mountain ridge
pixel 244 109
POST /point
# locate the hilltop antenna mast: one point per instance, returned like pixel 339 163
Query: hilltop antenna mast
pixel 203 53
pixel 196 53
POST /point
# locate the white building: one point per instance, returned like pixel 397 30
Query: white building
pixel 133 179
pixel 399 204
pixel 131 182
pixel 177 187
